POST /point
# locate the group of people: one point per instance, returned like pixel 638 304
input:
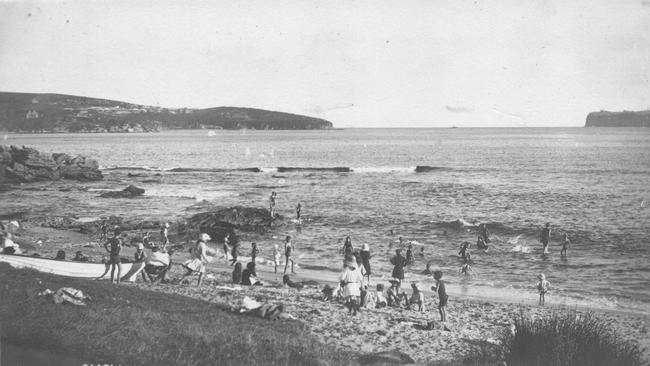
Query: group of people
pixel 157 263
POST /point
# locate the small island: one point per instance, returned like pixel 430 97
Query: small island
pixel 58 113
pixel 618 119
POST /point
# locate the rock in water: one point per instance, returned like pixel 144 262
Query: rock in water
pixel 217 223
pixel 25 165
pixel 128 192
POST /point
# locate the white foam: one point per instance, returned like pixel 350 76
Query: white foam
pixel 199 195
pixel 269 170
pixel 383 169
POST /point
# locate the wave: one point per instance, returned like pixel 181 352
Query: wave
pixel 189 193
pixel 136 167
pixel 340 169
pixel 214 170
pixel 283 169
pixel 383 169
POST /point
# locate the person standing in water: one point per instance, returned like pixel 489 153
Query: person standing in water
pixel 542 286
pixel 272 204
pixel 484 233
pixel 288 249
pixel 298 209
pixel 566 244
pixel 114 252
pixel 545 236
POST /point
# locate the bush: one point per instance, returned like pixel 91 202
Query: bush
pixel 568 339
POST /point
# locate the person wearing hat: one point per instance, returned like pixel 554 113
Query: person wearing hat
pixel 394 296
pixel 199 258
pixel 542 286
pixel 398 261
pixel 115 244
pixel 351 282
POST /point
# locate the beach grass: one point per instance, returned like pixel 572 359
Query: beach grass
pixel 568 338
pixel 128 326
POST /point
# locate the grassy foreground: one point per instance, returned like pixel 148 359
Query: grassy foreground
pixel 125 325
pixel 569 338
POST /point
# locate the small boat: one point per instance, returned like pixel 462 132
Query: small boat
pixel 68 268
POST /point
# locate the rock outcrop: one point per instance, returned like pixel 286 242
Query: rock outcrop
pixel 618 119
pixel 25 165
pixel 128 192
pixel 226 220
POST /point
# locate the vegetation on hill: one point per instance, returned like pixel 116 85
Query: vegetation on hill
pixel 26 112
pixel 618 119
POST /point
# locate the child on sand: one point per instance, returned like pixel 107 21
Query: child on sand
pixel 236 274
pixel 566 243
pixel 254 252
pixel 380 299
pixel 542 286
pixel 351 281
pixel 417 298
pixel 442 295
pixel 277 256
pixel 114 254
pixel 234 252
pixel 394 295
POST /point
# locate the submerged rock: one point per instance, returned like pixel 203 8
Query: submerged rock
pixel 25 165
pixel 128 192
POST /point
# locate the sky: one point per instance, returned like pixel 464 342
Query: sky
pixel 500 63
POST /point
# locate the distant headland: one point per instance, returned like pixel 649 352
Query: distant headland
pixel 618 119
pixel 58 113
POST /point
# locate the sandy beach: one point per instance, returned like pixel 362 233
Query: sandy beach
pixel 474 323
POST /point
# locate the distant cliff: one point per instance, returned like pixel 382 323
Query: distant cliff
pixel 618 119
pixel 25 112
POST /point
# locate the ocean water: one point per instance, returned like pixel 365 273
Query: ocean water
pixel 593 184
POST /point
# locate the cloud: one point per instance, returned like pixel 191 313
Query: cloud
pixel 317 109
pixel 459 109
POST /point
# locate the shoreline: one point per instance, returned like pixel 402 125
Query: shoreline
pixel 476 322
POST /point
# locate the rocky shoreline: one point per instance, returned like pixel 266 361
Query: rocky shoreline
pixel 26 165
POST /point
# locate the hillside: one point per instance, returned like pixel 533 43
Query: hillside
pixel 26 112
pixel 618 119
